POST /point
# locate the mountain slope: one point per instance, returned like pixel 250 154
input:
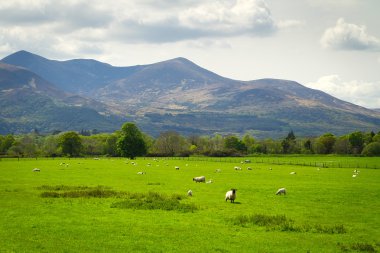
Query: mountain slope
pixel 29 102
pixel 179 95
pixel 79 76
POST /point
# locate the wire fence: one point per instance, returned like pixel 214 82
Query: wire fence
pixel 356 163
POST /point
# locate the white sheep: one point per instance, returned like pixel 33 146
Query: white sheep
pixel 36 170
pixel 200 179
pixel 237 168
pixel 231 195
pixel 293 173
pixel 141 172
pixel 281 191
pixel 218 170
pixel 190 193
pixel 176 167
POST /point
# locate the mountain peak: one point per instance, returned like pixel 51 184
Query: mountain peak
pixel 22 54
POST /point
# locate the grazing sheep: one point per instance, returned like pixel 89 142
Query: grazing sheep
pixel 354 175
pixel 36 170
pixel 249 168
pixel 190 193
pixel 176 167
pixel 237 168
pixel 141 172
pixel 281 191
pixel 231 195
pixel 293 173
pixel 200 179
pixel 218 170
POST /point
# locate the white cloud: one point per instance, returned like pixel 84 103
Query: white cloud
pixel 355 91
pixel 345 36
pixel 143 21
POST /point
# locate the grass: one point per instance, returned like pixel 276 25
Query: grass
pixel 282 223
pixel 105 206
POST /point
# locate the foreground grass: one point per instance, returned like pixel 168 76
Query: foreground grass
pixel 105 206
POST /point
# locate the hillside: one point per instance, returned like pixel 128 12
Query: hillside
pixel 179 95
pixel 29 102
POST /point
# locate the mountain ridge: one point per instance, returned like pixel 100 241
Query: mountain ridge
pixel 177 94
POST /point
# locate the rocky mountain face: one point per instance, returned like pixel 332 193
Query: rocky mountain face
pixel 179 95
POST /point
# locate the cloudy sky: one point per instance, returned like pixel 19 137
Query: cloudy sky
pixel 331 45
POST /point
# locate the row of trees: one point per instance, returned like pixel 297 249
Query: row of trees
pixel 129 141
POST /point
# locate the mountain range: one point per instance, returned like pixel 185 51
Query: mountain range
pixel 171 95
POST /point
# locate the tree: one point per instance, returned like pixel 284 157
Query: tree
pixel 289 144
pixel 325 143
pixel 6 143
pixel 342 145
pixel 131 142
pixel 232 143
pixel 70 143
pixel 248 141
pixel 307 147
pixel 170 143
pixel 110 145
pixel 372 149
pixel 356 140
pixel 50 146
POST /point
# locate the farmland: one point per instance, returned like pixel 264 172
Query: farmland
pixel 88 205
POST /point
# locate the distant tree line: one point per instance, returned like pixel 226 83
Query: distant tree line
pixel 130 142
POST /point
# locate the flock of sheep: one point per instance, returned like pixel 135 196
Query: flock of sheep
pixel 230 195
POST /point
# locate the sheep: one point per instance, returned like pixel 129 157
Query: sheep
pixel 209 181
pixel 176 167
pixel 218 170
pixel 141 172
pixel 293 173
pixel 36 170
pixel 190 193
pixel 281 191
pixel 237 168
pixel 249 168
pixel 200 179
pixel 231 195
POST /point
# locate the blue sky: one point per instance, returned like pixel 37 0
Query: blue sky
pixel 330 45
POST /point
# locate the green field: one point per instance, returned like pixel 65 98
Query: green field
pixel 105 206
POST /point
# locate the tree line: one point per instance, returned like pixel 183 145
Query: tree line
pixel 130 142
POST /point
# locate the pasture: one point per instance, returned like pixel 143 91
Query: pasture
pixel 88 205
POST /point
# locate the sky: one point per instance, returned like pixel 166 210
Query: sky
pixel 329 45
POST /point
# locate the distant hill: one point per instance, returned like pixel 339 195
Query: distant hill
pixel 76 76
pixel 182 96
pixel 29 102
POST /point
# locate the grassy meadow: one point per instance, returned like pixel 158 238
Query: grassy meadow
pixel 88 205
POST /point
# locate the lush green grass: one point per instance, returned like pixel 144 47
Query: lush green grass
pixel 105 206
